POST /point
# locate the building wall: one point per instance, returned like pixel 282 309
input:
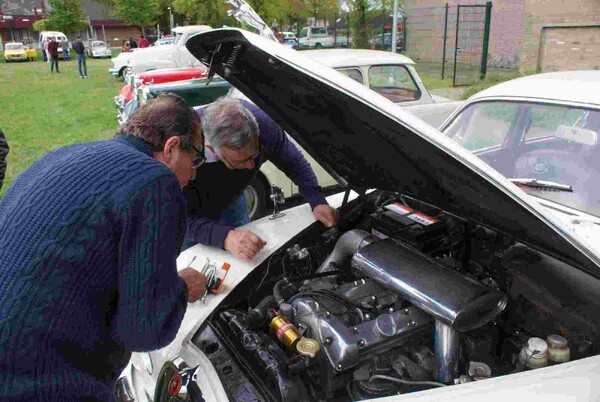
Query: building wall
pixel 426 20
pixel 548 35
pixel 115 36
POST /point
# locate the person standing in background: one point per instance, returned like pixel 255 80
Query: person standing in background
pixel 79 49
pixel 53 53
pixel 64 44
pixel 3 154
pixel 143 42
pixel 46 43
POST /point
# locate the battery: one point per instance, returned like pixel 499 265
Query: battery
pixel 401 222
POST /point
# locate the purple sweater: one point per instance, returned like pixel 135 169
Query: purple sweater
pixel 216 187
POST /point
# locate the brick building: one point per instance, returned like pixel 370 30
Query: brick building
pixel 543 35
pixel 17 18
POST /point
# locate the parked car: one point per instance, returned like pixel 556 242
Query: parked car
pixel 446 282
pixel 288 35
pixel 541 132
pixel 153 77
pixel 158 57
pixel 166 40
pixel 384 41
pixel 57 35
pixel 15 51
pixel 290 42
pixel 98 49
pixel 315 37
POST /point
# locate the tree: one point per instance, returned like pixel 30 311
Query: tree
pixel 136 12
pixel 65 15
pixel 359 27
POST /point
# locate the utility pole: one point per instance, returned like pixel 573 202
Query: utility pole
pixel 395 28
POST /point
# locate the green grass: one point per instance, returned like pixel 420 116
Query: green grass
pixel 40 111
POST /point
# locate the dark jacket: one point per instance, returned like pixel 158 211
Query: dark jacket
pixel 3 154
pixel 216 187
pixel 53 48
pixel 89 238
pixel 78 46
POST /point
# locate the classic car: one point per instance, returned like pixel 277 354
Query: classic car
pixel 541 132
pixel 15 51
pixel 98 49
pixel 157 57
pixel 153 77
pixel 442 280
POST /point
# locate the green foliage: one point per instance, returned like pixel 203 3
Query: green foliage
pixel 66 16
pixel 137 12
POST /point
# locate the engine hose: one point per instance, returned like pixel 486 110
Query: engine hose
pixel 280 283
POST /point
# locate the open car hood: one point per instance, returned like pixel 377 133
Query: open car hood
pixel 368 142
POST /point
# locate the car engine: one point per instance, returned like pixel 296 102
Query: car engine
pixel 400 297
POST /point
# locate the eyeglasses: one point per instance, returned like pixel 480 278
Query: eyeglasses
pixel 242 162
pixel 200 157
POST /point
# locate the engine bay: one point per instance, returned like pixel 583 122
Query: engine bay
pixel 399 297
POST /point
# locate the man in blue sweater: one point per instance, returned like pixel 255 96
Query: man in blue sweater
pixel 89 237
pixel 239 139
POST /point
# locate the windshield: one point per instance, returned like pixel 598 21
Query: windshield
pixel 14 46
pixel 98 44
pixel 555 143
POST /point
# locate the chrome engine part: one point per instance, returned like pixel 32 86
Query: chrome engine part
pixel 345 345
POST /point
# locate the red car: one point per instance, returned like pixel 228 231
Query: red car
pixel 156 77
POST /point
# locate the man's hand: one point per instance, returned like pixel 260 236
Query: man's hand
pixel 326 214
pixel 195 281
pixel 243 243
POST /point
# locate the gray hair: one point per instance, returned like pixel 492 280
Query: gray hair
pixel 228 123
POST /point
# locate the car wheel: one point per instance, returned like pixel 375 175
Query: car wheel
pixel 318 46
pixel 256 198
pixel 126 73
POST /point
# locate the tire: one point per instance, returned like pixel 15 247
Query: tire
pixel 318 46
pixel 256 198
pixel 125 73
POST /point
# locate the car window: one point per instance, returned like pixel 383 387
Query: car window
pixel 353 73
pixel 482 125
pixel 394 82
pixel 303 33
pixel 528 140
pixel 14 46
pixel 319 31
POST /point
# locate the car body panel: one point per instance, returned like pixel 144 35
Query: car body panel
pixel 405 146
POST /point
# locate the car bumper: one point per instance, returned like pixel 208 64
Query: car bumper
pixel 16 58
pixel 114 72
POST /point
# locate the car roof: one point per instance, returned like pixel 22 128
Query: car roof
pixel 14 43
pixel 191 28
pixel 98 41
pixel 567 86
pixel 356 57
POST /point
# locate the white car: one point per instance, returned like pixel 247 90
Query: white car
pixel 444 281
pixel 98 49
pixel 156 57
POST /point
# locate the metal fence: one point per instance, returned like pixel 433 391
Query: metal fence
pixel 451 41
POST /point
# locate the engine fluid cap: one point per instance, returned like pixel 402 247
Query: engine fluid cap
pixel 308 347
pixel 537 344
pixel 386 325
pixel 556 341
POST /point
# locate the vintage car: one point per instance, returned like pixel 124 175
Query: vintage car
pixel 166 40
pixel 97 49
pixel 153 77
pixel 540 132
pixel 442 280
pixel 15 51
pixel 158 57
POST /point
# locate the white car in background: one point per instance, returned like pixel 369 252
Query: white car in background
pixel 98 49
pixel 155 57
pixel 443 281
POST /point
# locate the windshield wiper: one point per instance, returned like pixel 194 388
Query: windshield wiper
pixel 542 184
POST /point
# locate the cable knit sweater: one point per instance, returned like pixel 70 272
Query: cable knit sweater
pixel 89 235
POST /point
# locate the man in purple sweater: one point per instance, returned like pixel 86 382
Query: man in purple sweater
pixel 89 237
pixel 239 139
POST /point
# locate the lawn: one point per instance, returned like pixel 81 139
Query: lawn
pixel 40 111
